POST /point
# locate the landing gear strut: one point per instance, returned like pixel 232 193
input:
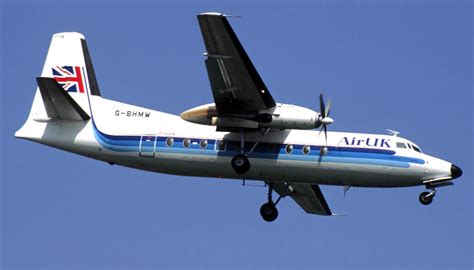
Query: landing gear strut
pixel 427 197
pixel 240 162
pixel 268 210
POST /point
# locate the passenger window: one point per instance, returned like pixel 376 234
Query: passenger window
pixel 169 142
pixel 220 145
pixel 401 145
pixel 203 144
pixel 289 149
pixel 306 149
pixel 186 143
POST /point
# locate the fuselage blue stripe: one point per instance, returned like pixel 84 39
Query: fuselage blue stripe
pixel 349 155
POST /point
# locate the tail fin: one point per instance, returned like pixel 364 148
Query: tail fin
pixel 65 86
pixel 68 62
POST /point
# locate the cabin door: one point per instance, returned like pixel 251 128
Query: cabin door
pixel 147 146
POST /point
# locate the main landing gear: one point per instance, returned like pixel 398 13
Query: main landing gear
pixel 268 210
pixel 240 163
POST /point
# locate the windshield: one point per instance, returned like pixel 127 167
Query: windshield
pixel 417 149
pixel 408 145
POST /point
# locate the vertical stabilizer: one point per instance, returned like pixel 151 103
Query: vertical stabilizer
pixel 69 64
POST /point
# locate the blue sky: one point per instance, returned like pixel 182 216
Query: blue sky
pixel 395 64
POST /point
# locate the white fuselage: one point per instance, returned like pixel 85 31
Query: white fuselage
pixel 150 140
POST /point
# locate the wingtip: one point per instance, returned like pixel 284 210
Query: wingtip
pixel 69 35
pixel 211 13
pixel 338 215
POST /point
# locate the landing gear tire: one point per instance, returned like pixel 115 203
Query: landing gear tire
pixel 241 164
pixel 426 198
pixel 269 212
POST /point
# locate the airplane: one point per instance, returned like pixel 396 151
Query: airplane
pixel 245 134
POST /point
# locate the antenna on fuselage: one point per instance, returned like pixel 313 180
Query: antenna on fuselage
pixel 393 132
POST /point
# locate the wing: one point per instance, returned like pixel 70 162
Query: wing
pixel 236 86
pixel 309 197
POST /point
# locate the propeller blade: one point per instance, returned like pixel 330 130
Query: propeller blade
pixel 328 108
pixel 321 151
pixel 321 105
pixel 324 120
pixel 325 134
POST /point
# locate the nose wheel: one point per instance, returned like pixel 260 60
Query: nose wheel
pixel 426 197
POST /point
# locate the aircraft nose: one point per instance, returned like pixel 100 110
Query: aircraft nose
pixel 455 171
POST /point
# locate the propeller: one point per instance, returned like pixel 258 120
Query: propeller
pixel 325 120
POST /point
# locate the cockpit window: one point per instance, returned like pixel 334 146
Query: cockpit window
pixel 416 149
pixel 401 145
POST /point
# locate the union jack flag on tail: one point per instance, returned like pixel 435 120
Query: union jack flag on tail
pixel 70 78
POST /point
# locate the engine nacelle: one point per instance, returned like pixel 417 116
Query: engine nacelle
pixel 286 116
pixel 282 116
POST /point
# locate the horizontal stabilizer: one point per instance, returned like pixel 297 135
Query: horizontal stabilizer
pixel 58 103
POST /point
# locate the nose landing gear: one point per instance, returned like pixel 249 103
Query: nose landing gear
pixel 427 197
